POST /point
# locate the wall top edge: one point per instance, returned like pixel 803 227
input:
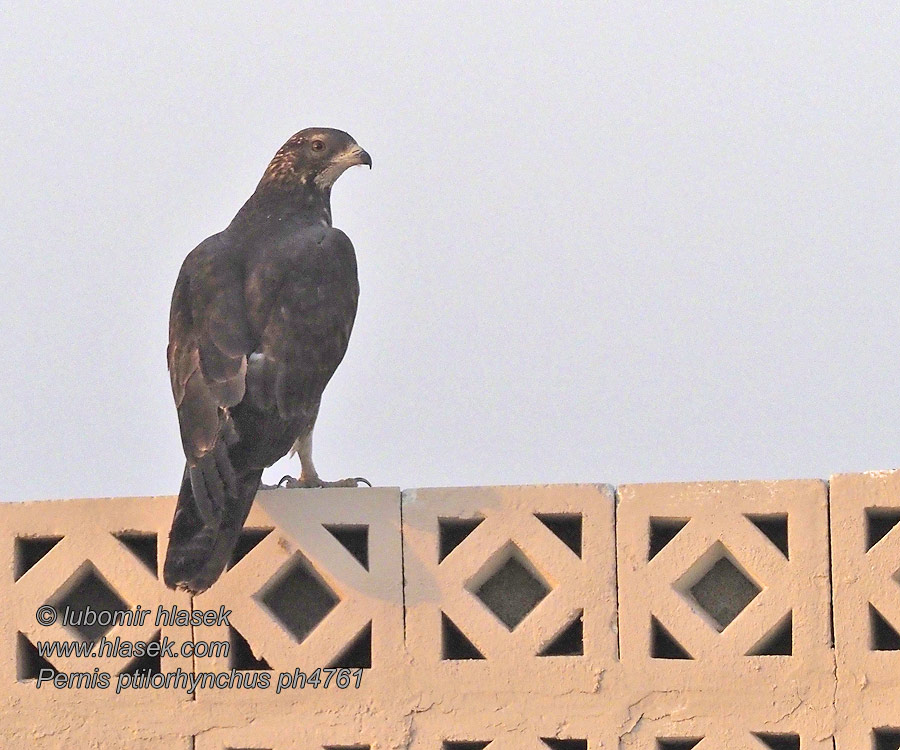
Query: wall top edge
pixel 601 486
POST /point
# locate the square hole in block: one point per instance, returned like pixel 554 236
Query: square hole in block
pixel 718 586
pixel 298 598
pixel 513 589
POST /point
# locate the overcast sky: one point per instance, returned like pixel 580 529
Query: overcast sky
pixel 616 242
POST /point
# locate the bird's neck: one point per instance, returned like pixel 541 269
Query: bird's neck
pixel 305 203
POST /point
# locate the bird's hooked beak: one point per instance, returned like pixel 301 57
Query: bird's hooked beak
pixel 350 157
pixel 357 155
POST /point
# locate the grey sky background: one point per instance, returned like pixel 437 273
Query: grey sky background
pixel 601 242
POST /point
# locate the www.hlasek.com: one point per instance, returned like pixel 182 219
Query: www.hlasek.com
pixel 138 679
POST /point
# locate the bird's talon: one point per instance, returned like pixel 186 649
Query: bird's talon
pixel 349 482
pixel 288 482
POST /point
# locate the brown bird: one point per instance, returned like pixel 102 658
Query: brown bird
pixel 260 319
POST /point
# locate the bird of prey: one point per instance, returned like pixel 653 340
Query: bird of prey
pixel 260 319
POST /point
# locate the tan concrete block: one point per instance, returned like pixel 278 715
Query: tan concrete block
pixel 539 722
pixel 357 728
pixel 81 553
pixel 866 560
pixel 300 598
pixel 681 720
pixel 510 558
pixel 75 736
pixel 876 725
pixel 724 588
pixel 511 568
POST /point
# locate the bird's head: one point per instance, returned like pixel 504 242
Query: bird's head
pixel 315 156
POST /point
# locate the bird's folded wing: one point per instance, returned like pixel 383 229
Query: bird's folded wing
pixel 209 340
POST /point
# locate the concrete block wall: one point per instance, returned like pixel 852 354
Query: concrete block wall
pixel 730 615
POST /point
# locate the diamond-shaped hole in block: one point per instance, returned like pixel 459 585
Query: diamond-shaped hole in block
pixel 718 586
pixel 92 603
pixel 513 589
pixel 298 598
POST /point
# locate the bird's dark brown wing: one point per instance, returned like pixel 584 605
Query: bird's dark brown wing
pixel 209 341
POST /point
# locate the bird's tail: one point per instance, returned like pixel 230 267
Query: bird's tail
pixel 213 504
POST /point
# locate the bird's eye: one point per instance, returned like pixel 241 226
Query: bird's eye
pixel 318 145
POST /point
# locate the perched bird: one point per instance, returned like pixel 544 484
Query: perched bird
pixel 260 319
